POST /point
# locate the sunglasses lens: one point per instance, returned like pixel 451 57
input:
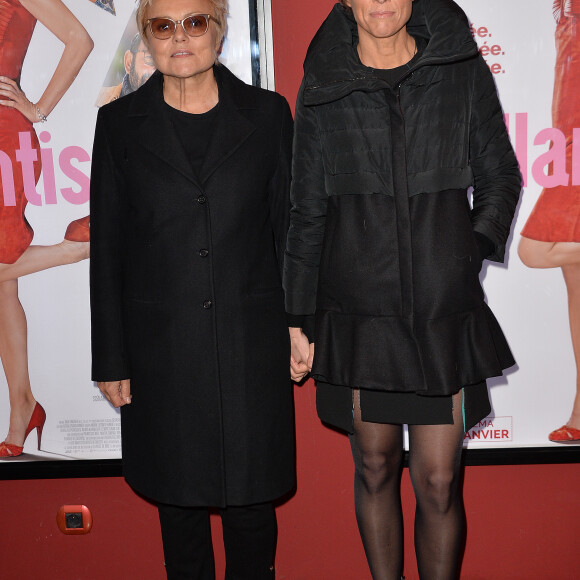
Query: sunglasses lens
pixel 196 25
pixel 162 28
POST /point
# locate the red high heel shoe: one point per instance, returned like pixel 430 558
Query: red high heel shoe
pixel 78 230
pixel 36 422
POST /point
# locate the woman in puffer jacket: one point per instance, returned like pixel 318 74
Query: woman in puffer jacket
pixel 397 117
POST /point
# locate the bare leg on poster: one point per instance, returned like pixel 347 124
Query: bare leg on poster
pixel 38 258
pixel 25 414
pixel 565 255
pixel 13 352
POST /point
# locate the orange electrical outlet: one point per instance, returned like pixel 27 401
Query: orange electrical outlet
pixel 74 519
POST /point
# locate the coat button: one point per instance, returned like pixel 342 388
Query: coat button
pixel 201 199
pixel 203 253
pixel 207 304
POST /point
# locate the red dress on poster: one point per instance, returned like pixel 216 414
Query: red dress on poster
pixel 556 215
pixel 16 27
pixel 551 236
pixel 20 168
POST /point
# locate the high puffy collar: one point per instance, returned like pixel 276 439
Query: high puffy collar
pixel 332 68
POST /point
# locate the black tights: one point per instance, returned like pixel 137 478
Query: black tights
pixel 434 467
pixel 249 534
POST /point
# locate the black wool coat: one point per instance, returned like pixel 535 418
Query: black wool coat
pixel 186 295
pixel 382 246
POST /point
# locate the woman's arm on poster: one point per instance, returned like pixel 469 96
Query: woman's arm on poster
pixel 59 20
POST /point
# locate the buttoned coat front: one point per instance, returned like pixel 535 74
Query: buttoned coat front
pixel 186 295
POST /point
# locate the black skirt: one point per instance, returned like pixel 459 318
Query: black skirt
pixel 334 404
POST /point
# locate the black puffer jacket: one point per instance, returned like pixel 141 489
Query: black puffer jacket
pixel 382 244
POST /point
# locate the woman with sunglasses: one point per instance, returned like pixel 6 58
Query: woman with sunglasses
pixel 189 212
pixel 17 257
pixel 396 118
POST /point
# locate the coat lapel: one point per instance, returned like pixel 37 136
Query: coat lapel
pixel 156 132
pixel 231 128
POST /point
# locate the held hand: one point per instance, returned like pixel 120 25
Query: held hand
pixel 310 356
pixel 118 393
pixel 299 354
pixel 13 97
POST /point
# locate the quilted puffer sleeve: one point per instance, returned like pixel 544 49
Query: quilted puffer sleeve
pixel 307 216
pixel 497 178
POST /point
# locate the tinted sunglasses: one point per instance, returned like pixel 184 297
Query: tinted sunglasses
pixel 194 25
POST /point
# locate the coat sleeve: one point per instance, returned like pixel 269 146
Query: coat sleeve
pixel 109 361
pixel 307 216
pixel 279 184
pixel 497 179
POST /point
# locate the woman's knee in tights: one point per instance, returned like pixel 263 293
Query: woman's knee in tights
pixel 377 450
pixel 436 489
pixel 377 469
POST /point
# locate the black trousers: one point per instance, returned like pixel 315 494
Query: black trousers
pixel 249 534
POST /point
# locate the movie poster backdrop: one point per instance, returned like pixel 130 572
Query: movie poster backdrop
pixel 517 39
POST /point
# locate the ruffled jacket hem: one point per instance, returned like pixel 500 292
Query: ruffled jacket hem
pixel 389 353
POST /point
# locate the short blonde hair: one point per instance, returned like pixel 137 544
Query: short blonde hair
pixel 220 7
